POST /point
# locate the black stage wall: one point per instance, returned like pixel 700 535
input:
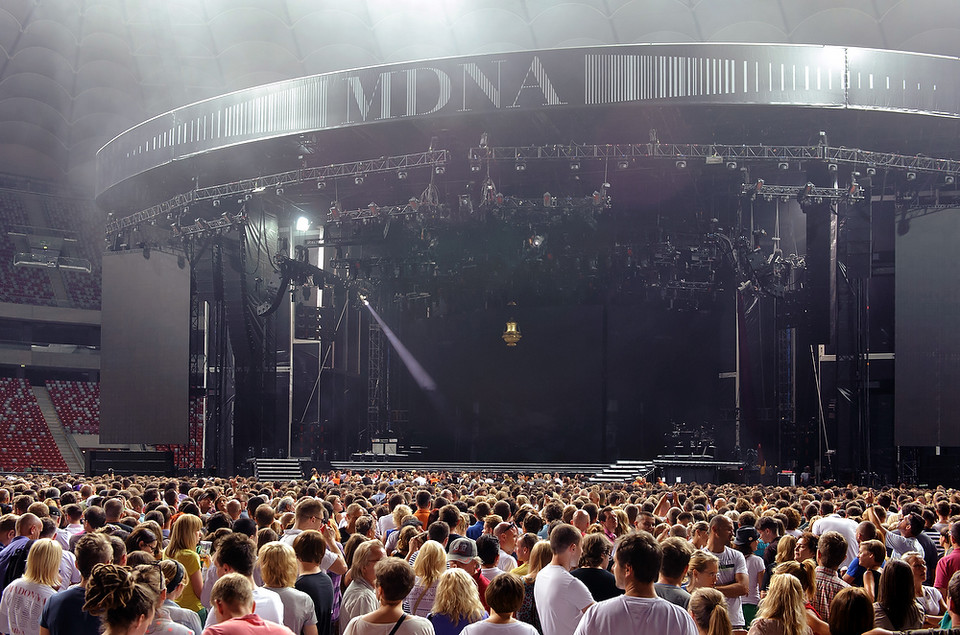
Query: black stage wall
pixel 927 334
pixel 546 399
pixel 145 351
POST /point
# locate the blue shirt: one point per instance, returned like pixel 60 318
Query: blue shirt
pixel 63 614
pixel 474 530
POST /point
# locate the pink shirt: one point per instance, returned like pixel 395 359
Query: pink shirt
pixel 251 624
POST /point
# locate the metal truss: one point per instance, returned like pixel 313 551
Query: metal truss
pixel 803 193
pixel 720 154
pixel 431 158
pixel 224 222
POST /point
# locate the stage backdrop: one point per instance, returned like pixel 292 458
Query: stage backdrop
pixel 145 351
pixel 927 338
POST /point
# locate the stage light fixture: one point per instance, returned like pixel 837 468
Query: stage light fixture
pixel 911 176
pixel 216 202
pixel 321 184
pixel 623 164
pixel 521 166
pixel 681 164
pixel 279 191
pixel 871 171
pixel 832 167
pixel 402 175
pixel 783 165
pixel 574 165
pixel 303 224
pixel 949 179
pixel 439 169
pixel 731 165
pixel 475 166
pixel 358 179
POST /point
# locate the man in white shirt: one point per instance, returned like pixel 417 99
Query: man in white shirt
pixel 846 527
pixel 310 515
pixel 732 576
pixel 561 598
pixel 237 554
pixel 639 610
pixel 507 534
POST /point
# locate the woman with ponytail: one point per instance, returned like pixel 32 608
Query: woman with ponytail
pixel 708 608
pixel 151 576
pixel 123 606
pixel 175 580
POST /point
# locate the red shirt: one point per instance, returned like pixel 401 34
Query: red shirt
pixel 948 565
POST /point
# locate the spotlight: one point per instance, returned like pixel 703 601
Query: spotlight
pixel 574 165
pixel 521 166
pixel 783 165
pixel 681 164
pixel 475 166
pixel 279 191
pixel 321 184
pixel 949 179
pixel 832 167
pixel 911 176
pixel 216 202
pixel 439 169
pixel 402 175
pixel 731 165
pixel 303 224
pixel 871 171
pixel 358 179
pixel 623 164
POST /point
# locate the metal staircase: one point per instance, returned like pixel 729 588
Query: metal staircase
pixel 277 470
pixel 624 472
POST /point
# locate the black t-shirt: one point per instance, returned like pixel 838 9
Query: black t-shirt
pixel 63 614
pixel 601 584
pixel 320 589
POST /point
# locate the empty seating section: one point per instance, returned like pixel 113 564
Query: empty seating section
pixel 82 218
pixel 77 404
pixel 21 285
pixel 190 456
pixel 25 440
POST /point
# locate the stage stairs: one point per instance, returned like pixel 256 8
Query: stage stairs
pixel 625 472
pixel 382 462
pixel 278 469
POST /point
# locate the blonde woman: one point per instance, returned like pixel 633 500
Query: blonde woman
pixel 781 611
pixel 540 556
pixel 708 608
pixel 703 571
pixel 184 538
pixel 24 598
pixel 457 603
pixel 278 565
pixel 430 565
pixel 805 573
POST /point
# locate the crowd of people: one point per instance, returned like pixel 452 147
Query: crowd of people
pixel 398 553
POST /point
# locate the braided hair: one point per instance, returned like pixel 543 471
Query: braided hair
pixel 114 595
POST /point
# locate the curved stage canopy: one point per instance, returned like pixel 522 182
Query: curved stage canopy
pixel 724 93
